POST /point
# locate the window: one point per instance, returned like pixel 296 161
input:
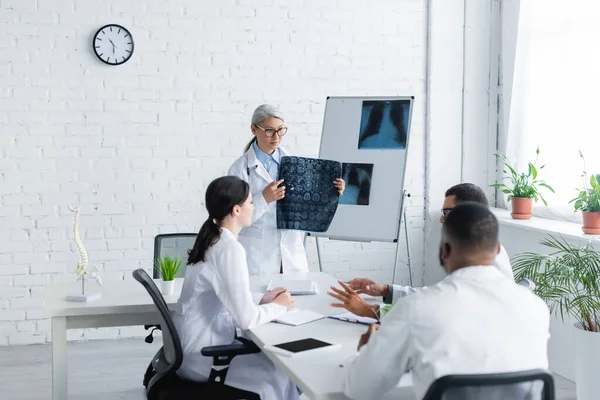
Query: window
pixel 555 101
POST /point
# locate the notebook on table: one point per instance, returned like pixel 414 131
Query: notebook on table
pixel 295 287
pixel 297 317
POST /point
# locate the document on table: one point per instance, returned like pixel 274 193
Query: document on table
pixel 297 317
pixel 294 286
pixel 349 317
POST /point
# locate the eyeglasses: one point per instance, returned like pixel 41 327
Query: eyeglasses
pixel 446 211
pixel 270 131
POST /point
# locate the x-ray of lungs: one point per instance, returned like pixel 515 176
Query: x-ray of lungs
pixel 383 124
pixel 358 183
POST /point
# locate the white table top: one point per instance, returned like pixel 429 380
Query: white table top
pixel 127 296
pixel 318 375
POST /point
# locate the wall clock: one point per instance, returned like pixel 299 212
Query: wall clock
pixel 113 44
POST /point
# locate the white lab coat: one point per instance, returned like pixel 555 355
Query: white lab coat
pixel 266 246
pixel 502 262
pixel 475 321
pixel 216 298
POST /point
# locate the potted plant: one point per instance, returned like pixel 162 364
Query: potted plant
pixel 168 268
pixel 524 187
pixel 568 280
pixel 588 201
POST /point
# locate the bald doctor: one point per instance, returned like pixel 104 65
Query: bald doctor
pixel 269 250
pixel 475 321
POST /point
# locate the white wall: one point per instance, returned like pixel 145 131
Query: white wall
pixel 136 145
pixel 461 135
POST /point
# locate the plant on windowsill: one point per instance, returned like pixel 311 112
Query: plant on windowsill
pixel 588 201
pixel 568 280
pixel 168 267
pixel 523 189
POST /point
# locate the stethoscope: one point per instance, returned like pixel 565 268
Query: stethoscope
pixel 253 167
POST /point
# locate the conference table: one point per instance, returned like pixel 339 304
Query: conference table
pixel 126 303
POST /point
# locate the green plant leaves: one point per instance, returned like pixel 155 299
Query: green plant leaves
pixel 567 279
pixel 589 197
pixel 168 267
pixel 524 185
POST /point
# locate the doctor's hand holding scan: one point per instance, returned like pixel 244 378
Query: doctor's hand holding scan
pixel 272 192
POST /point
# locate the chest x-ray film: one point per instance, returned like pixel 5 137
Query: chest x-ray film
pixel 384 124
pixel 311 199
pixel 358 183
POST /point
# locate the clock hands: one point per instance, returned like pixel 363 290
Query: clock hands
pixel 113 45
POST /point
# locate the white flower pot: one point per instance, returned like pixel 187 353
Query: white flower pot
pixel 167 287
pixel 587 356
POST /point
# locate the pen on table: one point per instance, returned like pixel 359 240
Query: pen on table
pixel 376 316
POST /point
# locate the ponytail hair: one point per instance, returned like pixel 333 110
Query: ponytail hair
pixel 263 112
pixel 250 143
pixel 221 196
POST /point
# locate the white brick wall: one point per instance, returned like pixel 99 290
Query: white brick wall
pixel 136 145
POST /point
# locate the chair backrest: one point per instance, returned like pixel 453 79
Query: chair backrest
pixel 174 245
pixel 523 385
pixel 172 353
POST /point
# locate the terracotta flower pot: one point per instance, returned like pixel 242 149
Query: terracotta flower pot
pixel 591 222
pixel 521 208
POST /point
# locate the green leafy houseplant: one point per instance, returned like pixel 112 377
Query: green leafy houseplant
pixel 567 279
pixel 523 185
pixel 169 267
pixel 588 199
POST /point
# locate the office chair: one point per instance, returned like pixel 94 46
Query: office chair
pixel 163 381
pixel 174 245
pixel 523 385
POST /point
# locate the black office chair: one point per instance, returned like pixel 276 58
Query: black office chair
pixel 534 384
pixel 174 245
pixel 163 383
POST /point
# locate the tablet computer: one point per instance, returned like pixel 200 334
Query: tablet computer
pixel 300 346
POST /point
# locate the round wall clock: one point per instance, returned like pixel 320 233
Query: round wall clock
pixel 113 44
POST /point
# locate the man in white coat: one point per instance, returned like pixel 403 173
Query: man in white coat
pixel 457 194
pixel 475 321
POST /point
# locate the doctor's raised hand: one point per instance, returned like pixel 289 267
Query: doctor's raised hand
pixel 351 301
pixel 367 286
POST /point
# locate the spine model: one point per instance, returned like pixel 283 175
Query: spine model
pixel 82 265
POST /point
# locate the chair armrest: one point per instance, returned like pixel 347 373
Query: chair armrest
pixel 229 350
pixel 247 342
pixel 223 355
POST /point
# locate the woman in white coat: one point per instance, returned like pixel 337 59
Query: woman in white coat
pixel 268 249
pixel 216 297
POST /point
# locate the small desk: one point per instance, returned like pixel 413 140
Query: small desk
pixel 126 303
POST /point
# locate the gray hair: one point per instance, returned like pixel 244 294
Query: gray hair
pixel 263 112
